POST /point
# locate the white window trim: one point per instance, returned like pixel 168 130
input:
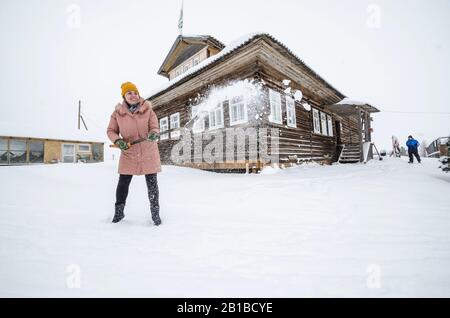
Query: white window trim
pixel 322 122
pixel 84 151
pixel 175 115
pixel 166 120
pixel 213 113
pixel 164 136
pixel 330 125
pixel 74 152
pixel 290 101
pixel 275 95
pixel 241 121
pixel 316 123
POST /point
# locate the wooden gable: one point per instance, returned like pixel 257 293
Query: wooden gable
pixel 186 47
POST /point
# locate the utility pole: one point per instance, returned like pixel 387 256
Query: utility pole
pixel 80 117
pixel 79 113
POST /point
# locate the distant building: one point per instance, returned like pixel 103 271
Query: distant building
pixel 438 148
pixel 30 150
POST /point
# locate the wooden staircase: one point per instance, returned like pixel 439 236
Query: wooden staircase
pixel 350 154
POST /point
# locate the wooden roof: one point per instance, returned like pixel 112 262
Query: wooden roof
pixel 185 47
pixel 52 139
pixel 350 109
pixel 232 49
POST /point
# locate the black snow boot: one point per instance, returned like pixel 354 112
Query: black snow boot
pixel 153 196
pixel 156 219
pixel 118 214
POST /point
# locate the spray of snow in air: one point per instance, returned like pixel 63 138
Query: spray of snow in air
pixel 297 94
pixel 249 89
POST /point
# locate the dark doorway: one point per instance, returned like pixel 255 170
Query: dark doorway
pixel 337 124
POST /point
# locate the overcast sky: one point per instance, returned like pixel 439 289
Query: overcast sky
pixel 393 54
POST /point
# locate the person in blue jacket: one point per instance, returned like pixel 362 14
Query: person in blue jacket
pixel 413 149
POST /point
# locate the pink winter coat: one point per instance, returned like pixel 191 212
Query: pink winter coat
pixel 142 158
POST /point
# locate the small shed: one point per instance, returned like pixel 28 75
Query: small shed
pixel 22 150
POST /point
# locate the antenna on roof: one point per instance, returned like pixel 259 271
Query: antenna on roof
pixel 180 20
pixel 80 117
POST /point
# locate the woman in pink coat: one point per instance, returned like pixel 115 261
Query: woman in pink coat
pixel 134 119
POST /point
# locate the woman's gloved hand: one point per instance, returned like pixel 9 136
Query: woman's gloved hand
pixel 153 136
pixel 122 144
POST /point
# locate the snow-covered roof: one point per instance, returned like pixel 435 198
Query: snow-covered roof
pixel 233 46
pixel 349 101
pixel 24 130
pixel 348 105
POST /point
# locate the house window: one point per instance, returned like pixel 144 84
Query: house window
pixel 175 121
pixel 4 151
pixel 163 124
pixel 275 107
pixel 83 157
pixel 323 120
pixel 290 110
pixel 18 151
pixel 330 126
pixel 238 110
pixel 196 60
pixel 36 151
pixel 199 124
pixel 84 148
pixel 175 125
pixel 97 152
pixel 216 117
pixel 68 153
pixel 316 121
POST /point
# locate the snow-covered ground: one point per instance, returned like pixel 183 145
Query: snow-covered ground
pixel 375 230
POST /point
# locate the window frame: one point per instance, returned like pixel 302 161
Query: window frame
pixel 12 149
pixel 291 102
pixel 275 96
pixel 231 105
pixel 161 129
pixel 213 113
pixel 64 155
pixel 330 125
pixel 316 121
pixel 84 151
pixel 175 115
pixel 323 123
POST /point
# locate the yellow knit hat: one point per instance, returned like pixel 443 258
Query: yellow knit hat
pixel 128 86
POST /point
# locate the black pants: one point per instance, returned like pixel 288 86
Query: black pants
pixel 415 153
pixel 152 190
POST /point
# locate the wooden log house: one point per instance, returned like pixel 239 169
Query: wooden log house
pixel 323 126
